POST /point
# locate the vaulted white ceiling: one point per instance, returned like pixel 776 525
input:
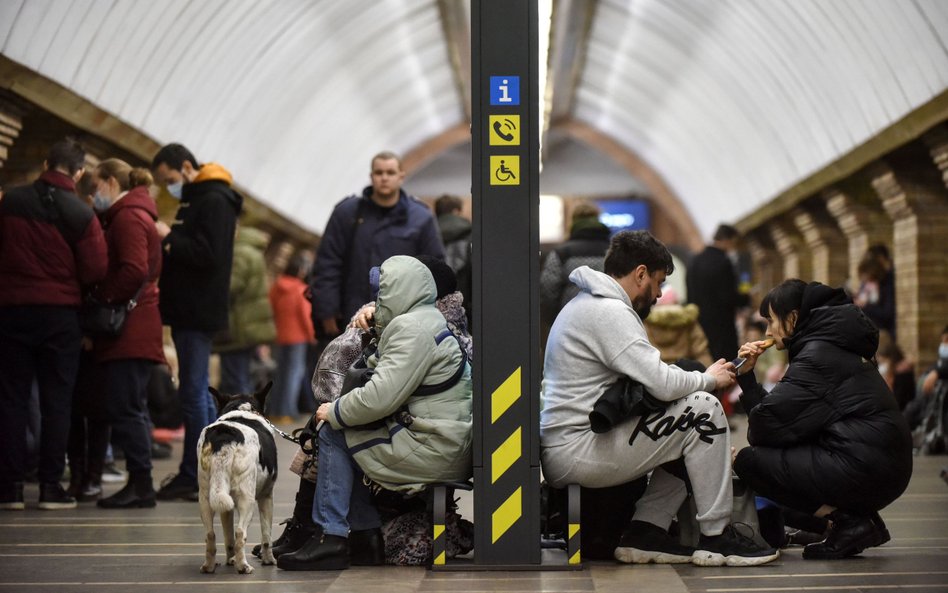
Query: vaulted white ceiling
pixel 730 101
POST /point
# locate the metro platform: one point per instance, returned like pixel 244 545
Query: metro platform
pixel 90 550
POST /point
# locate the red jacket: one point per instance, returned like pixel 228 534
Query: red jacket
pixel 291 311
pixel 134 256
pixel 50 244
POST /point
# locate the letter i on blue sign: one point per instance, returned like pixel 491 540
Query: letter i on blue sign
pixel 505 90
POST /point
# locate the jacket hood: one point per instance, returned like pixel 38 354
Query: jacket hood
pixel 137 197
pixel 214 172
pixel 404 284
pixel 598 284
pixel 253 237
pixel 453 227
pixel 828 315
pixel 589 229
pixel 673 316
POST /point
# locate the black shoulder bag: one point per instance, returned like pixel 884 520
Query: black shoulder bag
pixel 106 320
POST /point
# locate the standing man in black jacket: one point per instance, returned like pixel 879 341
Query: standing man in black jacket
pixel 195 280
pixel 712 285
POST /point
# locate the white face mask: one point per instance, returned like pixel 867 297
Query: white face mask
pixel 101 202
pixel 943 350
pixel 175 189
pixel 883 368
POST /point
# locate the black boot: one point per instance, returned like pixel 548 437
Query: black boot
pixel 366 547
pixel 299 527
pixel 881 529
pixel 848 535
pixel 321 552
pixel 138 493
pixel 296 534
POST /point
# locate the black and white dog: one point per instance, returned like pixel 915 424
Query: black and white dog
pixel 237 465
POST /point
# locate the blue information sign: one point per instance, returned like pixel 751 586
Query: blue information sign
pixel 505 90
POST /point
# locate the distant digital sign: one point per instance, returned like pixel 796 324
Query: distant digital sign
pixel 624 215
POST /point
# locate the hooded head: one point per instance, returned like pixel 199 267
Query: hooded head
pixel 404 284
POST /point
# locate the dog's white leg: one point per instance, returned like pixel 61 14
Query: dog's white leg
pixel 227 522
pixel 210 543
pixel 244 505
pixel 265 506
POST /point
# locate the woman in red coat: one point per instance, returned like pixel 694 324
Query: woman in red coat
pixel 134 266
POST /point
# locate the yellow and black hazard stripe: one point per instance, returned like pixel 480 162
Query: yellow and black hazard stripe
pixel 509 451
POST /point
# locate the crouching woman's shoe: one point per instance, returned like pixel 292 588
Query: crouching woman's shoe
pixel 321 552
pixel 848 535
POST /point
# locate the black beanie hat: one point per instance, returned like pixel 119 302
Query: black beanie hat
pixel 444 277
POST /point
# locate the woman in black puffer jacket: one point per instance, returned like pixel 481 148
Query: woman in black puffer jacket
pixel 829 439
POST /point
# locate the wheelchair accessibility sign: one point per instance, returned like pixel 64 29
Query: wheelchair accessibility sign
pixel 504 130
pixel 505 169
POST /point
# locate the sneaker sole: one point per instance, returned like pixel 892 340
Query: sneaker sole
pixel 58 506
pixel 637 556
pixel 707 558
pixel 12 506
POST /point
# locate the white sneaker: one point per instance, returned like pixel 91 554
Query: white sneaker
pixel 113 475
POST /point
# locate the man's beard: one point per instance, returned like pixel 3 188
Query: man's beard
pixel 643 304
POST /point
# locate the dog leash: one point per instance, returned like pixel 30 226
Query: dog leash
pixel 286 436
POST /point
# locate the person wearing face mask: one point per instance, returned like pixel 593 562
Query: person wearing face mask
pixel 129 213
pixel 828 440
pixel 935 376
pixel 599 338
pixel 198 252
pixel 713 286
pixel 51 245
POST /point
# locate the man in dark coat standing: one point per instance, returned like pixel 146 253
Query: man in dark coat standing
pixel 712 285
pixel 194 286
pixel 362 232
pixel 51 245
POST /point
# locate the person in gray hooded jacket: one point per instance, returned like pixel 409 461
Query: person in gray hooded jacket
pixel 598 339
pixel 410 425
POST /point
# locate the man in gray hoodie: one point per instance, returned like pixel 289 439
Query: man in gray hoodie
pixel 597 339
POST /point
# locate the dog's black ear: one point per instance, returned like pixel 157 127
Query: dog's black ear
pixel 261 395
pixel 219 398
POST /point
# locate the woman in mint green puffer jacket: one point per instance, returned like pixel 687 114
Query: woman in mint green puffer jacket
pixel 432 443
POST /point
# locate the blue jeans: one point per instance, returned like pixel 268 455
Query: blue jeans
pixel 291 369
pixel 197 405
pixel 235 371
pixel 342 500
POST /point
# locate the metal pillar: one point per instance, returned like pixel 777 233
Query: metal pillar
pixel 505 130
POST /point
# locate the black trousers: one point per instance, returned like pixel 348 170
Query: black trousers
pixel 127 404
pixel 40 342
pixel 794 485
pixel 89 429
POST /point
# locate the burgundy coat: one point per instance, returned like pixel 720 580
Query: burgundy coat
pixel 50 244
pixel 134 255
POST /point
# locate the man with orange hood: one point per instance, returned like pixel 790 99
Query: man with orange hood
pixel 198 252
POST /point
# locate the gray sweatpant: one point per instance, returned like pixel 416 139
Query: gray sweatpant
pixel 693 427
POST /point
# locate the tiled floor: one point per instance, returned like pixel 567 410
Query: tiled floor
pixel 90 551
